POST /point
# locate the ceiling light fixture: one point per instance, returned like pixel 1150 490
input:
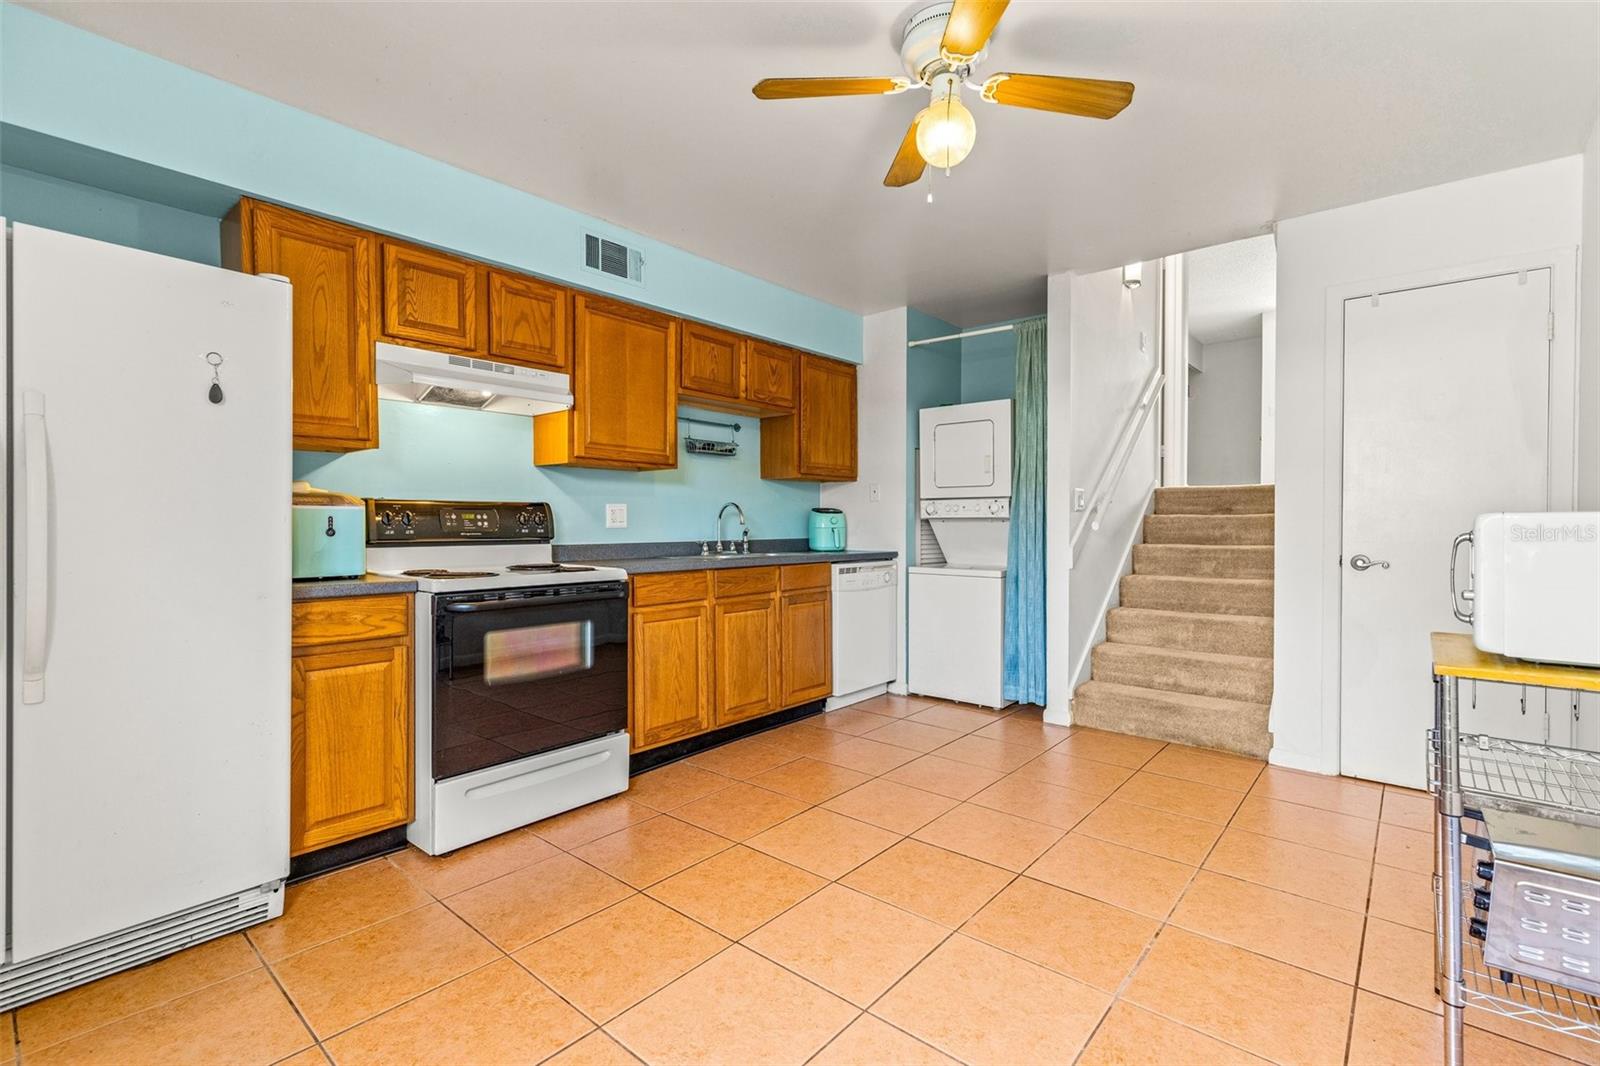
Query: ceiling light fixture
pixel 946 131
pixel 1133 275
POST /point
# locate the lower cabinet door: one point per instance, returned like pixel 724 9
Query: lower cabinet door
pixel 350 743
pixel 807 646
pixel 670 679
pixel 747 657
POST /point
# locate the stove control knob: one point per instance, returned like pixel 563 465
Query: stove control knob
pixel 524 519
pixel 387 518
pixel 405 518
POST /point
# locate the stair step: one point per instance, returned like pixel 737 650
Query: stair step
pixel 1228 634
pixel 1204 721
pixel 1198 673
pixel 1203 560
pixel 1204 595
pixel 1215 499
pixel 1208 529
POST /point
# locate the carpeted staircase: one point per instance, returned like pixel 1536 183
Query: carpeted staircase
pixel 1188 653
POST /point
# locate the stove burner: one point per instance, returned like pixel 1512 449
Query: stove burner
pixel 547 568
pixel 447 573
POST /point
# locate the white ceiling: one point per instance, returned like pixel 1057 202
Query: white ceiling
pixel 1230 285
pixel 641 114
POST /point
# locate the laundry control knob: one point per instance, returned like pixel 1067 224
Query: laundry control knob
pixel 930 508
pixel 994 506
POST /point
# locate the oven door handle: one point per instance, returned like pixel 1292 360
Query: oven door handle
pixel 529 604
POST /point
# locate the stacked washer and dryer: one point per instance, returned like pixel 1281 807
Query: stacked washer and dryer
pixel 956 590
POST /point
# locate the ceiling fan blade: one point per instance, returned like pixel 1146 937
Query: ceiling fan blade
pixel 908 163
pixel 1088 97
pixel 804 88
pixel 968 29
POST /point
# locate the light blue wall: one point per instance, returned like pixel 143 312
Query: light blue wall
pixel 933 379
pixel 110 118
pixel 85 90
pixel 42 200
pixel 434 452
pixel 989 365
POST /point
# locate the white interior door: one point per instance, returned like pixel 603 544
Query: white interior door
pixel 1446 416
pixel 149 742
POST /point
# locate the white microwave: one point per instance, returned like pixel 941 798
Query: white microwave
pixel 1533 585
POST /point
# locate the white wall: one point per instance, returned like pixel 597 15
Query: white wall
pixel 880 523
pixel 1528 209
pixel 1103 343
pixel 1269 395
pixel 1589 346
pixel 1225 415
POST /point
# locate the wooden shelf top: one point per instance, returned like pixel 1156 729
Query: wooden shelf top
pixel 1454 655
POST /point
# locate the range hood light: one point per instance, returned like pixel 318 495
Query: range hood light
pixel 466 382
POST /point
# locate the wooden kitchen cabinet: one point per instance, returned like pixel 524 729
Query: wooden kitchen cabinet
pixel 624 390
pixel 710 365
pixel 711 648
pixel 350 720
pixel 331 268
pixel 430 298
pixel 818 441
pixel 770 375
pixel 670 684
pixel 745 624
pixel 806 625
pixel 530 322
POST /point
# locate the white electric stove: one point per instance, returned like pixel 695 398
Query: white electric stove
pixel 522 667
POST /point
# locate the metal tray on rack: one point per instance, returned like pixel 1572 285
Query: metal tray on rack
pixel 1536 779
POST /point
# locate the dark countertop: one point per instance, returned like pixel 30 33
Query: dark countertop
pixel 328 588
pixel 666 564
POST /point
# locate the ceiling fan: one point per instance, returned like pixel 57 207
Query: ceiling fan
pixel 941 46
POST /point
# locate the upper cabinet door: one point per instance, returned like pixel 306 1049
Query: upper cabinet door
pixel 330 267
pixel 624 384
pixel 430 298
pixel 530 322
pixel 712 362
pixel 770 376
pixel 827 419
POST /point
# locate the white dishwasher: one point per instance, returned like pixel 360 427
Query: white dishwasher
pixel 866 646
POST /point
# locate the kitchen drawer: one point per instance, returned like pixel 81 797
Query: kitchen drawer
pixel 351 619
pixel 807 576
pixel 750 581
pixel 687 586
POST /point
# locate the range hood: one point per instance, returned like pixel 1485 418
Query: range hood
pixel 464 381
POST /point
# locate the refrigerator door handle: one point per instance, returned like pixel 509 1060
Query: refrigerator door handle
pixel 36 567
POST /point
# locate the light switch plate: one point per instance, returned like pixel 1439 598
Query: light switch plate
pixel 616 516
pixel 1080 499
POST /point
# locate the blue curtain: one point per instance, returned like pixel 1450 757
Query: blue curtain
pixel 1025 621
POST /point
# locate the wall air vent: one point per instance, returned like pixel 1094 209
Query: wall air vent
pixel 609 257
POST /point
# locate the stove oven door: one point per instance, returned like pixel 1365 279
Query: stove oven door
pixel 526 671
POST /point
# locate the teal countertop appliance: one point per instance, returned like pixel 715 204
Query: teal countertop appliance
pixel 330 533
pixel 827 529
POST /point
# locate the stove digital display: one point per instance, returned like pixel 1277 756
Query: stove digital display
pixel 469 521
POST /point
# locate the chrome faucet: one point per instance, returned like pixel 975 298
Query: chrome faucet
pixel 744 540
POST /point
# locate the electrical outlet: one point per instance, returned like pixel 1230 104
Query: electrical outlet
pixel 616 516
pixel 1080 499
pixel 875 492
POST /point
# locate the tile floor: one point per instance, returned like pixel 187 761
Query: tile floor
pixel 903 882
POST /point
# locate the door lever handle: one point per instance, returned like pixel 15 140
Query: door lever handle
pixel 1365 562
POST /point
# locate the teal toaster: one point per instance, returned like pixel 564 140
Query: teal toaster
pixel 330 533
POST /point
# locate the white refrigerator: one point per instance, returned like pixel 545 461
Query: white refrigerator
pixel 147 750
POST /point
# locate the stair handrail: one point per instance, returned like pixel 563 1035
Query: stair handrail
pixel 1110 478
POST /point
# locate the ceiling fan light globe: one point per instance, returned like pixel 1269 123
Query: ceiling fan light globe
pixel 946 133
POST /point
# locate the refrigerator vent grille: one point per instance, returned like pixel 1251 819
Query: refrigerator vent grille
pixel 37 978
